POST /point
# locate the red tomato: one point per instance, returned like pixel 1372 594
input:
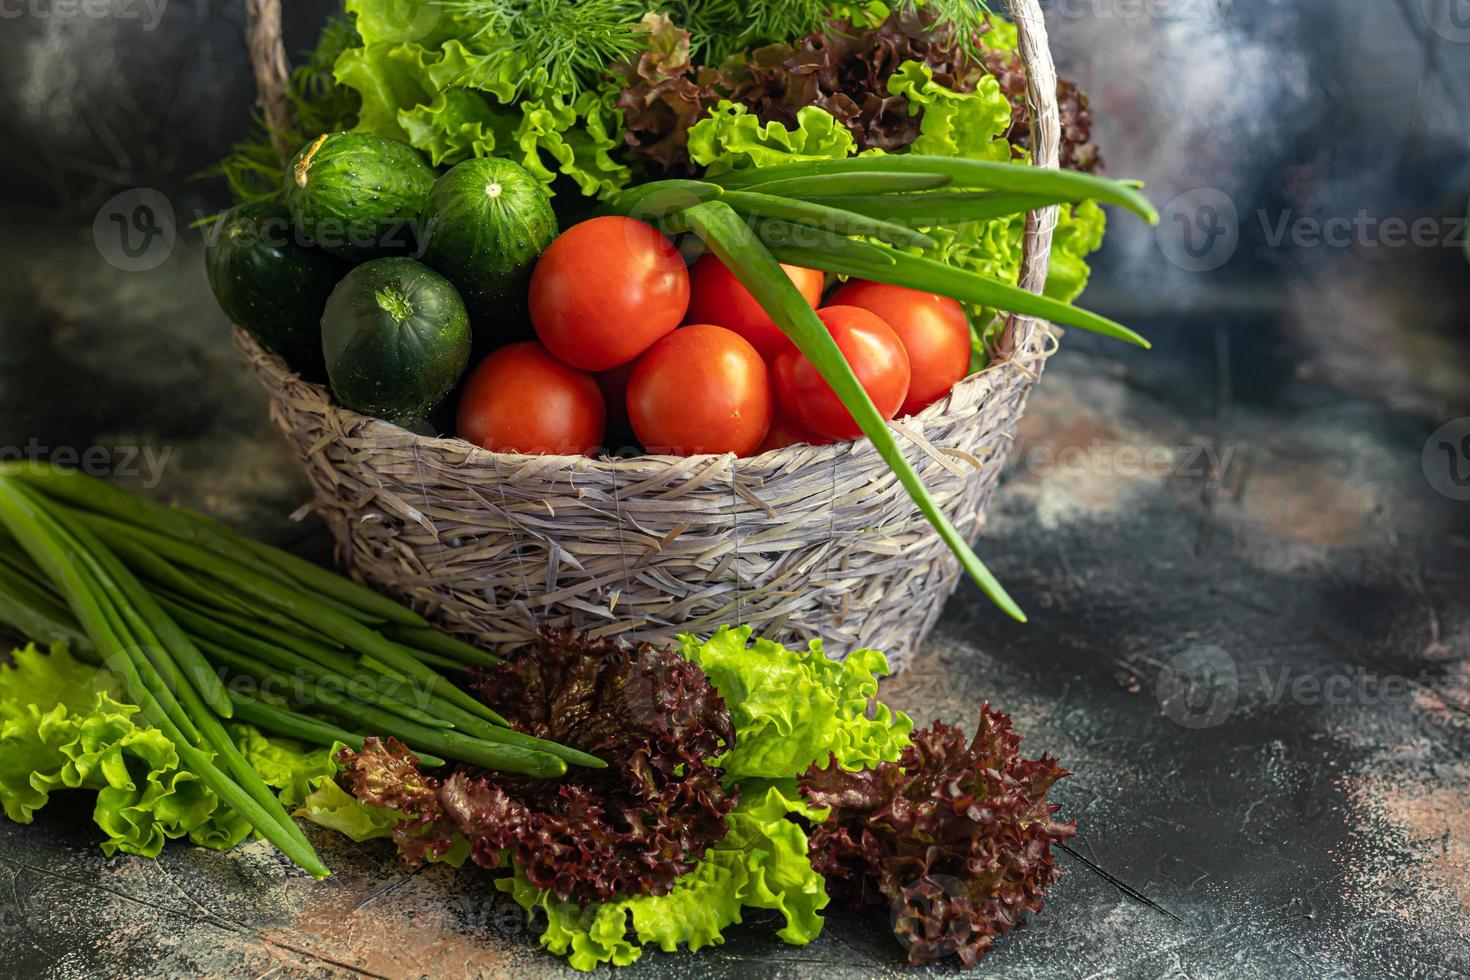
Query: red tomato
pixel 877 358
pixel 521 399
pixel 785 432
pixel 716 296
pixel 702 389
pixel 605 290
pixel 934 330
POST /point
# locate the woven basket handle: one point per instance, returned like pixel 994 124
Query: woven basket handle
pixel 273 72
pixel 1046 133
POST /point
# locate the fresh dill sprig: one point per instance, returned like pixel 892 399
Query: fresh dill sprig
pixel 967 18
pixel 573 41
pixel 720 28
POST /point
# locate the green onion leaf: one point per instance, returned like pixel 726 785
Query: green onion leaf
pixel 790 181
pixel 978 174
pixel 742 253
pixel 821 215
pixel 879 263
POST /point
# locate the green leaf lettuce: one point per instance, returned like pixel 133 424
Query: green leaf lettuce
pixel 761 863
pixel 62 726
pixel 793 707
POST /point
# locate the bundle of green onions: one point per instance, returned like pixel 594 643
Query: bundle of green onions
pixel 168 600
pixel 851 217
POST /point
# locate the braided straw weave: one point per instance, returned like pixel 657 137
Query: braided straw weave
pixel 804 542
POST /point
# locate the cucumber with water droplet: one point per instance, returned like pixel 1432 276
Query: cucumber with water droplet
pixel 358 195
pixel 485 224
pixel 396 339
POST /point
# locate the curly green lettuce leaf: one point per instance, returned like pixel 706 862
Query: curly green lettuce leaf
pixel 1002 35
pixel 954 124
pixel 792 708
pixel 761 863
pixel 62 726
pixel 456 125
pixel 575 139
pixel 454 103
pixel 730 137
pixel 388 77
pixel 331 806
pixel 396 21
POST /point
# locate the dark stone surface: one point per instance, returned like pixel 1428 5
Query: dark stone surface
pixel 1250 636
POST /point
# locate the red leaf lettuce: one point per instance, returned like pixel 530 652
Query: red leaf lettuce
pixel 955 839
pixel 632 828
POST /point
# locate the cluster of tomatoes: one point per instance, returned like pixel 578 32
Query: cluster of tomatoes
pixel 631 343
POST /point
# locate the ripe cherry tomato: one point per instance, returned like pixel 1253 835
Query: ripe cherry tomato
pixel 785 432
pixel 521 399
pixel 877 358
pixel 605 290
pixel 934 330
pixel 716 296
pixel 702 389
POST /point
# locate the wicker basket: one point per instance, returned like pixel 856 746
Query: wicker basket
pixel 809 541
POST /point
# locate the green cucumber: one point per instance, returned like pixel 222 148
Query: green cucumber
pixel 396 339
pixel 485 224
pixel 273 283
pixel 358 195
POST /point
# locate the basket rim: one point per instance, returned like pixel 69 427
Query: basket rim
pixel 910 428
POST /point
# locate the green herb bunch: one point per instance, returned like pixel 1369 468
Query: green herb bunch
pixel 255 168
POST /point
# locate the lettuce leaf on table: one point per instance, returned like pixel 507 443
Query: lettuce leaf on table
pixel 64 727
pixel 791 709
pixel 761 863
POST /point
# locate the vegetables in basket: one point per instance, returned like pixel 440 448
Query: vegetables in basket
pixel 863 143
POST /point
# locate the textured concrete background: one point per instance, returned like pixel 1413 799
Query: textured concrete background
pixel 1246 556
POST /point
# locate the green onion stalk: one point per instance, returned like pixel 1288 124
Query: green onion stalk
pixel 857 217
pixel 172 603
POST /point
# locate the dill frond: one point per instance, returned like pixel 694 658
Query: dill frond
pixel 572 41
